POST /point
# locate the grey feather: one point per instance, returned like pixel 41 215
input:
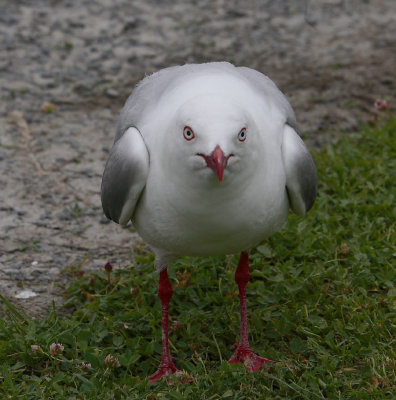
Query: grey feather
pixel 269 90
pixel 125 176
pixel 301 180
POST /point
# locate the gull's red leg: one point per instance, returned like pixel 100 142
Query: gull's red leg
pixel 243 353
pixel 166 366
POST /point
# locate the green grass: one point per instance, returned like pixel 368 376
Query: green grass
pixel 322 304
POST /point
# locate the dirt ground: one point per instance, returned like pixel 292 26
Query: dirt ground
pixel 66 68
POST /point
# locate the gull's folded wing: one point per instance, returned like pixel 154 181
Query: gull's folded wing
pixel 125 176
pixel 301 180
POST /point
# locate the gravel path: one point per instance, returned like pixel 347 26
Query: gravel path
pixel 66 67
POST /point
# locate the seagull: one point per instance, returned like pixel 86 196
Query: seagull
pixel 207 161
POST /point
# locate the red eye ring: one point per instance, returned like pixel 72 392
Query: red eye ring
pixel 242 135
pixel 188 133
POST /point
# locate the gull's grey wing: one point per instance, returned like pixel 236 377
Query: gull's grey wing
pixel 301 180
pixel 299 166
pixel 125 176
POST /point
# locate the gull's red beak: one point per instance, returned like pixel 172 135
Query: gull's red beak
pixel 216 161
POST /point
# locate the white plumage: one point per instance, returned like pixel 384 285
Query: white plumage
pixel 177 204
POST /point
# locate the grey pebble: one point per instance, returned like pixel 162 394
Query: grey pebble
pixel 48 198
pixel 60 260
pixel 104 220
pixel 36 273
pixel 45 247
pixel 112 93
pixel 66 215
pixel 41 224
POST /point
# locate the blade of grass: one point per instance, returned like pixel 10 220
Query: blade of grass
pixel 13 310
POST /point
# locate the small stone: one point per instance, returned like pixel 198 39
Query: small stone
pixel 26 294
pixel 41 224
pixel 112 93
pixel 104 220
pixel 66 215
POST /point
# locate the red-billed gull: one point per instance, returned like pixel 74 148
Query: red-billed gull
pixel 207 161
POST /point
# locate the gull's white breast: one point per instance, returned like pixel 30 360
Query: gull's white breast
pixel 182 218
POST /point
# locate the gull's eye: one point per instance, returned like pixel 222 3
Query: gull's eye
pixel 242 135
pixel 188 133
